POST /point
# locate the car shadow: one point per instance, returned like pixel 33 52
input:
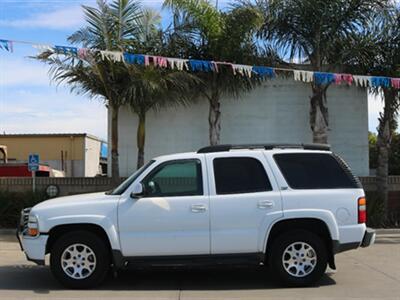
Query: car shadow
pixel 40 280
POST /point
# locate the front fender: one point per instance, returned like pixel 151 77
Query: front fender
pixel 323 215
pixel 104 222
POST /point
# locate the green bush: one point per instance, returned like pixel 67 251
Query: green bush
pixel 394 153
pixel 11 204
pixel 375 213
pixel 375 210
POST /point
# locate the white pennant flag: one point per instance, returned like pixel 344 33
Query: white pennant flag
pixel 115 56
pixel 178 63
pixel 304 76
pixel 243 70
pixel 43 48
pixel 362 81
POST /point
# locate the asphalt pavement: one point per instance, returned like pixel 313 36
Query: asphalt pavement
pixel 369 273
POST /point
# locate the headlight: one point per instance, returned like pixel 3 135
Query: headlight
pixel 33 226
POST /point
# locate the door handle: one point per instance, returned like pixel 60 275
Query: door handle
pixel 198 208
pixel 264 204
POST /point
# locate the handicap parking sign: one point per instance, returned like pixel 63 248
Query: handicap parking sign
pixel 33 162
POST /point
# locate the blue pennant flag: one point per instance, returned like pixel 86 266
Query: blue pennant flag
pixel 134 58
pixel 321 78
pixel 380 81
pixel 6 45
pixel 66 50
pixel 264 71
pixel 201 65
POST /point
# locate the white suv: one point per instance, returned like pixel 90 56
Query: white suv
pixel 290 207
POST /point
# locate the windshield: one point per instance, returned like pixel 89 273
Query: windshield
pixel 124 185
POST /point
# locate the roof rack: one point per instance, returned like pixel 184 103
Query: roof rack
pixel 228 147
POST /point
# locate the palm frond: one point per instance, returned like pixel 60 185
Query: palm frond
pixel 153 88
pixel 310 28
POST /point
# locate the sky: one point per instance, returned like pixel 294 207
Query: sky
pixel 29 102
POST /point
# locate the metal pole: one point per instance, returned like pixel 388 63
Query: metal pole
pixel 33 181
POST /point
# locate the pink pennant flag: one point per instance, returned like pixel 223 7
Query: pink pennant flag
pixel 396 83
pixel 161 61
pixel 158 61
pixel 346 78
pixel 147 59
pixel 83 53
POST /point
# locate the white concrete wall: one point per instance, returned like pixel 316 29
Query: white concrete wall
pixel 275 112
pixel 92 157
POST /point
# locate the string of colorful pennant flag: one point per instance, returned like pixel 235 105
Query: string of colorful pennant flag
pixel 195 65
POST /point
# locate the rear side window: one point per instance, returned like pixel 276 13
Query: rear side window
pixel 314 171
pixel 235 175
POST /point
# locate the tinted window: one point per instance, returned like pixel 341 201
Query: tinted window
pixel 236 175
pixel 313 171
pixel 177 178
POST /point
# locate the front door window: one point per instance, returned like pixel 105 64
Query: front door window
pixel 174 179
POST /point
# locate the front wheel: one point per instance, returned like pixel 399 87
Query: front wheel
pixel 298 257
pixel 80 259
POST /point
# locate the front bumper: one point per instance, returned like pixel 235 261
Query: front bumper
pixel 369 238
pixel 34 248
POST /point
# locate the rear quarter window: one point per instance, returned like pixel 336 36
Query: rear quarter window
pixel 236 175
pixel 315 171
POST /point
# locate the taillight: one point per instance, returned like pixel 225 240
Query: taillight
pixel 362 210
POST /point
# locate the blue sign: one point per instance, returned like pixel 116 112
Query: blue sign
pixel 33 162
pixel 104 150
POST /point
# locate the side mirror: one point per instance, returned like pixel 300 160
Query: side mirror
pixel 138 190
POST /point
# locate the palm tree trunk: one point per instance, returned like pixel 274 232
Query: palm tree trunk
pixel 114 144
pixel 214 119
pixel 383 167
pixel 141 134
pixel 386 124
pixel 319 121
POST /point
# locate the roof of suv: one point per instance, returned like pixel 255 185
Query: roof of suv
pixel 265 147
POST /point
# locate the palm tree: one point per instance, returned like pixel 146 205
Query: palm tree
pixel 150 88
pixel 386 128
pixel 122 26
pixel 308 30
pixel 386 62
pixel 375 50
pixel 201 31
pixel 109 27
pixel 95 80
pixel 385 39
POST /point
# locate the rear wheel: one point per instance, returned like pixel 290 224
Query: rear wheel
pixel 298 257
pixel 80 259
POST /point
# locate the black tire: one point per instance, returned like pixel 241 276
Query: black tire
pixel 282 242
pixel 96 244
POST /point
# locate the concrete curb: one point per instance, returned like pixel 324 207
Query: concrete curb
pixel 7 231
pixel 380 231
